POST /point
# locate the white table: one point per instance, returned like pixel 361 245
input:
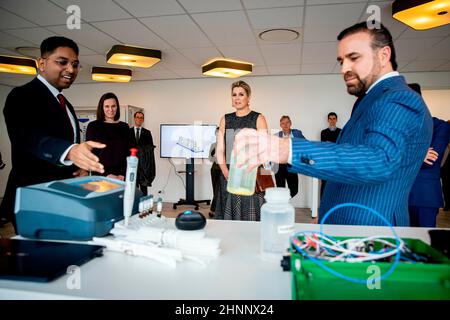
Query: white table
pixel 239 273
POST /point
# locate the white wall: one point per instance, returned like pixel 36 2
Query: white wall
pixel 307 99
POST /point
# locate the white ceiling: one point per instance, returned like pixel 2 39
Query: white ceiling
pixel 190 32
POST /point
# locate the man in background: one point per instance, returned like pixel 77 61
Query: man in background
pixel 42 125
pixel 425 197
pixel 329 134
pixel 282 175
pixel 142 139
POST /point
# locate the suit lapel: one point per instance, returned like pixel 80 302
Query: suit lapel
pixel 56 108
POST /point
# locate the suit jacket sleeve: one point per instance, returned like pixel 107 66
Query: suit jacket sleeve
pixel 390 121
pixel 27 131
pixel 440 140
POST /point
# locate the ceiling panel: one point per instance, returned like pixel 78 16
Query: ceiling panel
pixel 253 4
pixel 250 54
pixel 260 71
pixel 142 8
pixel 41 12
pixel 10 41
pixel 87 36
pixel 317 68
pixel 12 21
pixel 317 2
pixel 93 60
pixel 281 54
pixel 97 10
pixel 284 69
pixel 424 65
pixel 200 56
pixel 442 31
pixel 148 74
pixel 189 73
pixel 323 23
pixel 409 49
pixel 132 32
pixel 175 60
pixel 440 50
pixel 191 32
pixel 319 52
pixel 444 67
pixel 276 18
pixel 226 28
pixel 33 35
pixel 180 31
pixel 194 6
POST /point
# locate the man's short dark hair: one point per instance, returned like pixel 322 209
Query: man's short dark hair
pixel 381 37
pixel 51 44
pixel 332 114
pixel 137 113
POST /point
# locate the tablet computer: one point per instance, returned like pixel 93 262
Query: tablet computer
pixel 42 261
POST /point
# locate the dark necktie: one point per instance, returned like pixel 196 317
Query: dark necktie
pixel 137 134
pixel 62 103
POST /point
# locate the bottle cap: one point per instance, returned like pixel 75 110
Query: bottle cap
pixel 134 152
pixel 277 194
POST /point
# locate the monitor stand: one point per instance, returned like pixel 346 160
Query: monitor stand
pixel 190 188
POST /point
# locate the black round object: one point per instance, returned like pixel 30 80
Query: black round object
pixel 190 220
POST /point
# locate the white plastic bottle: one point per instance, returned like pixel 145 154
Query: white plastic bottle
pixel 277 223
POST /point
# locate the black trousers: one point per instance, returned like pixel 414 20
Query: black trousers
pixel 215 180
pixel 282 176
pixel 143 189
pixel 445 175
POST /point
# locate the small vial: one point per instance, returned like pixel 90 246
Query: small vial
pixel 159 207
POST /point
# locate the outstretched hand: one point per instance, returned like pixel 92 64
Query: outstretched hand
pixel 259 147
pixel 83 158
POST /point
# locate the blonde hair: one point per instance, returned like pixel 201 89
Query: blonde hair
pixel 241 84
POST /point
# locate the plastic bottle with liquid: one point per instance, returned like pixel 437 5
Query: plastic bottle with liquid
pixel 277 223
pixel 240 181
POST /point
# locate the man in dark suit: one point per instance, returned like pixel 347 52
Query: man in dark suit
pixel 42 125
pixel 380 150
pixel 332 132
pixel 282 175
pixel 425 198
pixel 142 139
pixel 329 134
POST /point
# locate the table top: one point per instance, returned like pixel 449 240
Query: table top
pixel 239 272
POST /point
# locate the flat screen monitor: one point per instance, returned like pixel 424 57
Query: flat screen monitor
pixel 186 140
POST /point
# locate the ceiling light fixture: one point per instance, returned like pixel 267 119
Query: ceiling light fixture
pixel 20 65
pixel 133 56
pixel 111 74
pixel 228 68
pixel 422 14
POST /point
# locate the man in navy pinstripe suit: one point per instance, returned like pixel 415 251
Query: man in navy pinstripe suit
pixel 381 148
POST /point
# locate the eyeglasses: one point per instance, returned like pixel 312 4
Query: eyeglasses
pixel 139 117
pixel 64 63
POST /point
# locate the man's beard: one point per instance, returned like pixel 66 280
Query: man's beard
pixel 357 89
